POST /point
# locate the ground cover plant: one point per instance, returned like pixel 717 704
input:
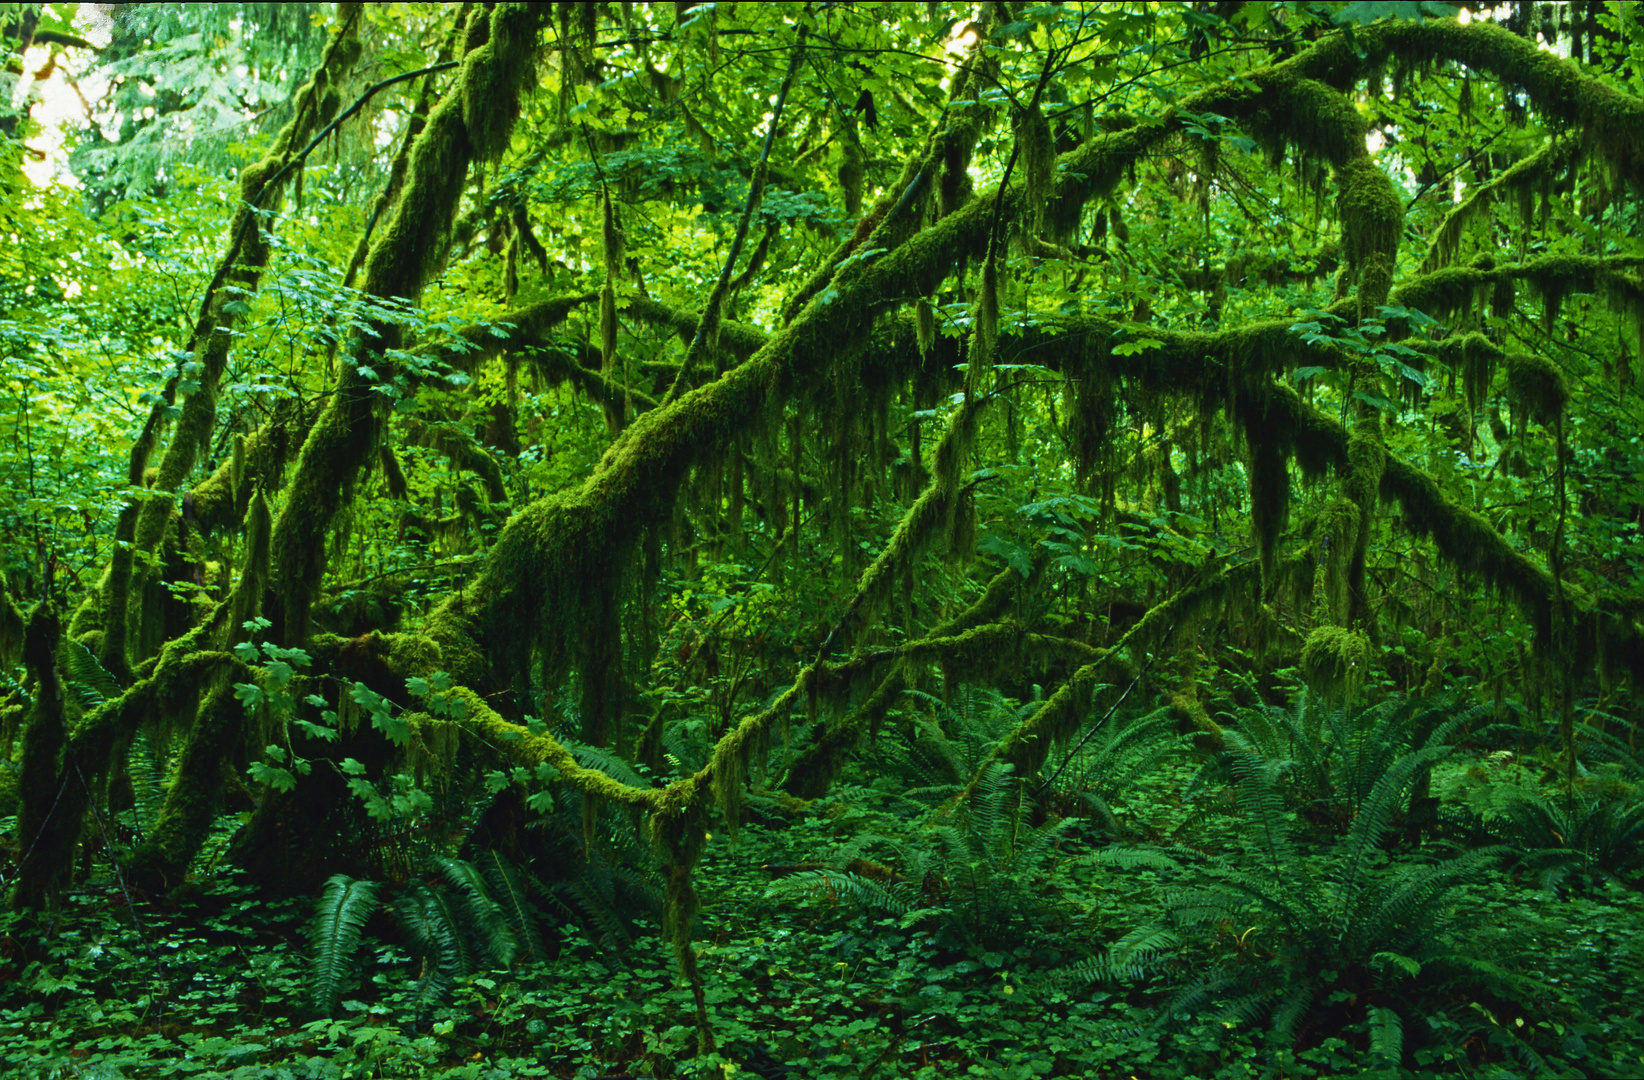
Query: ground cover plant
pixel 846 540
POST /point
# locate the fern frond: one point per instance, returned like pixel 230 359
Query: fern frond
pixel 88 677
pixel 833 885
pixel 334 935
pixel 508 891
pixel 612 765
pixel 1374 815
pixel 1192 998
pixel 1133 858
pixel 436 942
pixel 1127 960
pixel 594 899
pixel 147 782
pixel 1264 809
pixel 433 929
pixel 1601 745
pixel 1386 1034
pixel 486 920
pixel 1288 1014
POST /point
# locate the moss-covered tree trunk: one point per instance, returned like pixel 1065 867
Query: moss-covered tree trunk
pixel 147 523
pixel 47 823
pixel 472 123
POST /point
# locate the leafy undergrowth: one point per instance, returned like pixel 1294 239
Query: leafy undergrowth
pixel 878 935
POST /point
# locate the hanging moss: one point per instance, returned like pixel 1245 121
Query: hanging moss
pixel 11 629
pixel 1319 121
pixel 851 174
pixel 558 541
pixel 248 591
pixel 1037 152
pixel 817 764
pixel 1089 404
pixel 393 477
pixel 1473 357
pixel 1609 119
pixel 612 244
pixel 1536 390
pixel 1269 477
pixel 925 323
pixel 1335 661
pixel 1445 242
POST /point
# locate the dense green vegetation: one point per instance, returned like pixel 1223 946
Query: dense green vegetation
pixel 825 539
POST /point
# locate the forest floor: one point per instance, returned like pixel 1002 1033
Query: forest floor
pixel 999 961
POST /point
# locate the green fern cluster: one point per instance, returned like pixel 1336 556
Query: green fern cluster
pixel 1112 756
pixel 945 746
pixel 466 916
pixel 1346 938
pixel 605 879
pixel 982 874
pixel 1576 839
pixel 1327 761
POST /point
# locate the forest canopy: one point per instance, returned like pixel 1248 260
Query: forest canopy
pixel 458 459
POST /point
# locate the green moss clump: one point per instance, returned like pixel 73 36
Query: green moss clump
pixel 1335 660
pixel 1186 707
pixel 1335 536
pixel 1537 390
pixel 1372 224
